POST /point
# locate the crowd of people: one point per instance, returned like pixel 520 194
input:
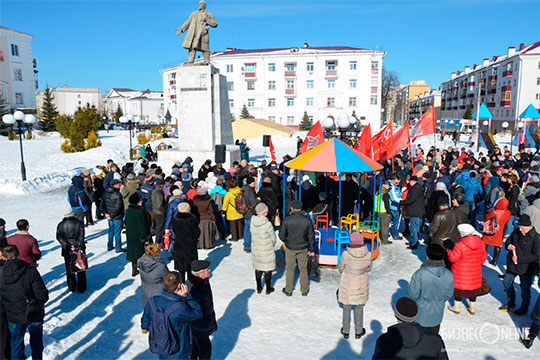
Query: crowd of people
pixel 463 203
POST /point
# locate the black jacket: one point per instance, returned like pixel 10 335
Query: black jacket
pixel 21 282
pixel 269 197
pixel 444 227
pixel 69 232
pixel 186 228
pixel 414 202
pixel 297 232
pixel 409 341
pixel 527 251
pixel 76 195
pixel 251 201
pixel 202 293
pixel 112 203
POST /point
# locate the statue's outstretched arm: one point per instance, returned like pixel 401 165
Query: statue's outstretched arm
pixel 184 26
pixel 211 20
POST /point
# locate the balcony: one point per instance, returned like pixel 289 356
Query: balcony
pixel 374 89
pixel 483 92
pixel 506 88
pixel 250 75
pixel 331 74
pixel 470 95
pixel 290 73
pixel 462 107
pixel 374 71
pixel 507 73
pixel 492 91
pixel 490 104
pixel 471 83
pixel 173 96
pixel 462 96
pixel 289 92
pixel 505 102
pixel 172 82
pixel 492 77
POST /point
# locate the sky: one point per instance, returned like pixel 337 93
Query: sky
pixel 124 43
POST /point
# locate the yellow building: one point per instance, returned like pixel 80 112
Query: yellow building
pixel 410 92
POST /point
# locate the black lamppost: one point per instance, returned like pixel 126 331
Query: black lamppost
pixel 130 122
pixel 20 118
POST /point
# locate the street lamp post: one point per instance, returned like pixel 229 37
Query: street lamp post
pixel 130 121
pixel 343 122
pixel 327 124
pixel 19 117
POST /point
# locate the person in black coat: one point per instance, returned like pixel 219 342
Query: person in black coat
pixel 202 293
pixel 5 336
pixel 204 170
pixel 185 245
pixel 70 234
pixel 268 196
pixel 77 197
pixel 112 204
pixel 407 339
pixel 414 209
pixel 24 295
pixel 97 180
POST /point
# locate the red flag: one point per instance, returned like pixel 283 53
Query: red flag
pixel 401 139
pixel 382 143
pixel 364 143
pixel 272 150
pixel 314 138
pixel 426 124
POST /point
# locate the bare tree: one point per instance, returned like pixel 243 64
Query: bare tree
pixel 390 82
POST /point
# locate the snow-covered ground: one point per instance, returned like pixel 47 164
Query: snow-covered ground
pixel 104 322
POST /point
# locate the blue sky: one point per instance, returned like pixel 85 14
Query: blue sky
pixel 123 43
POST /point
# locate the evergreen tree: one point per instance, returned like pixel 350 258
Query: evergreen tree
pixel 244 114
pixel 48 112
pixel 4 129
pixel 88 119
pixel 92 141
pixel 118 113
pixel 63 125
pixel 306 123
pixel 468 113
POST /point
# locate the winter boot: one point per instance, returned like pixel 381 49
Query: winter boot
pixel 496 253
pixel 258 278
pixel 362 333
pixel 134 270
pixel 345 335
pixel 472 307
pixel 528 342
pixel 456 309
pixel 268 282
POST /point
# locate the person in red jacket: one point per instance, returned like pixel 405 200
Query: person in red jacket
pixel 26 244
pixel 502 216
pixel 467 258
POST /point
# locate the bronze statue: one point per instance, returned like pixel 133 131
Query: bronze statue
pixel 197 36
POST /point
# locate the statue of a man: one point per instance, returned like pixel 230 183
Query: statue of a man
pixel 197 36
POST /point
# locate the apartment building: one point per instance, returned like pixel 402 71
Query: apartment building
pixel 68 99
pixel 421 103
pixel 146 104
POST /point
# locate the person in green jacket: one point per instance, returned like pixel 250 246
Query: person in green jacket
pixel 131 187
pixel 137 231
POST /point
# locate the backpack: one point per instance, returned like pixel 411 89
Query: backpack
pixel 162 337
pixel 240 204
pixel 491 226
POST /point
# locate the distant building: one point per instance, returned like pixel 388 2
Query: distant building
pixel 18 74
pixel 507 85
pixel 148 105
pixel 280 84
pixel 409 92
pixel 421 103
pixel 68 99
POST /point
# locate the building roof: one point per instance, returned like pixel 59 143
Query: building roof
pixel 17 31
pixel 235 51
pixel 123 90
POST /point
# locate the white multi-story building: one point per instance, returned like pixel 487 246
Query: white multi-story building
pixel 281 84
pixel 68 99
pixel 508 84
pixel 18 74
pixel 421 103
pixel 146 104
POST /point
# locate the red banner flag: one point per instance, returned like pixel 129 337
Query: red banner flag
pixel 272 149
pixel 364 143
pixel 401 139
pixel 382 143
pixel 426 124
pixel 314 138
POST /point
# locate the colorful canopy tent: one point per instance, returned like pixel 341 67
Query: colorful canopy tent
pixel 529 113
pixel 484 112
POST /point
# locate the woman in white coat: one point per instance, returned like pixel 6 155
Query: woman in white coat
pixel 354 266
pixel 263 240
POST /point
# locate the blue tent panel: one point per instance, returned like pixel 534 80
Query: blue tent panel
pixel 484 112
pixel 348 161
pixel 530 112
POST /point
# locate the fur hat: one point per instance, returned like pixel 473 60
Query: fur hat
pixel 406 309
pixel 184 208
pixel 202 191
pixel 261 208
pixel 467 229
pixel 152 249
pixel 85 172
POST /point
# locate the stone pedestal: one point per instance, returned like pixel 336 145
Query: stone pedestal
pixel 204 117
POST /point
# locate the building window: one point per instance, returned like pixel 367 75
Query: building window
pixel 373 100
pixel 272 118
pixel 231 103
pixel 290 66
pixel 17 74
pixel 249 67
pixel 538 81
pixel 19 98
pixel 330 102
pixel 290 84
pixel 310 84
pixel 309 101
pixel 331 65
pixel 251 85
pixel 251 103
pixel 15 50
pixel 290 101
pixel 271 102
pixel 272 67
pixel 309 66
pixel 352 101
pixel 352 65
pixel 374 64
pixel 272 85
pixel 537 96
pixel 230 86
pixel 78 96
pixel 331 84
pixel 352 83
pixel 290 120
pixel 229 68
pixel 374 81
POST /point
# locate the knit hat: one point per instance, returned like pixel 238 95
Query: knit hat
pixel 467 229
pixel 296 204
pixel 85 172
pixel 414 178
pixel 357 240
pixel 435 252
pixel 261 208
pixel 524 220
pixel 115 182
pixel 149 179
pixel 202 191
pixel 184 208
pixel 406 309
pixel 152 249
pixel 198 265
pixel 177 192
pixel 250 180
pixel 68 212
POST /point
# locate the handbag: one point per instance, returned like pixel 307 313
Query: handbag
pixel 78 262
pixel 277 219
pixel 491 227
pixel 313 267
pixel 485 289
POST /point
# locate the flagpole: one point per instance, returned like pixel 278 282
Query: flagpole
pixel 392 127
pixel 478 116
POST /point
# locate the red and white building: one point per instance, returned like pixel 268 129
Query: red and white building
pixel 281 84
pixel 421 103
pixel 508 84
